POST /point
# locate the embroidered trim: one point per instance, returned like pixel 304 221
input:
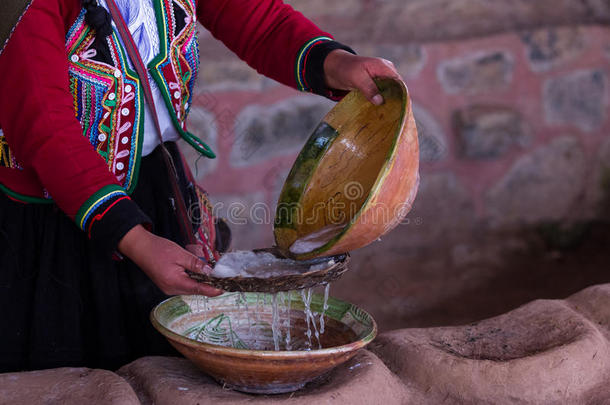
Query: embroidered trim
pixel 99 217
pixel 175 68
pixel 93 203
pixel 112 124
pixel 6 157
pixel 136 134
pixel 76 30
pixel 301 61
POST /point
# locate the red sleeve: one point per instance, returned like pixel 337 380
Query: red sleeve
pixel 38 119
pixel 268 34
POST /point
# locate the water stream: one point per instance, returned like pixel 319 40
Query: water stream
pixel 266 324
pixel 269 322
pixel 275 324
pixel 310 318
pixel 287 322
pixel 324 307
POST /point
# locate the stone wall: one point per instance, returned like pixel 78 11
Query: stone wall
pixel 512 105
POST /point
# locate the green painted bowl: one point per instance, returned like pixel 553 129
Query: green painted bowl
pixel 354 180
pixel 230 337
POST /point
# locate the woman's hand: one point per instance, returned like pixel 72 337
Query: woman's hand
pixel 164 263
pixel 346 71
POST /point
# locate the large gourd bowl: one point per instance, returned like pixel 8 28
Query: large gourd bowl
pixel 232 321
pixel 354 180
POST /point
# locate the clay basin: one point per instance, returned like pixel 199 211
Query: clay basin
pixel 239 346
pixel 354 180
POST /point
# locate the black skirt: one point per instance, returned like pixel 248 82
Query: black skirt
pixel 64 304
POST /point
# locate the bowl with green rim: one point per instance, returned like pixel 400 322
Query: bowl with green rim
pixel 354 180
pixel 230 337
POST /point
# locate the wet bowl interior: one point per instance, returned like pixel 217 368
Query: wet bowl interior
pixel 354 180
pixel 239 345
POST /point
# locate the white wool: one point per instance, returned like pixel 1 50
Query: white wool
pixel 263 265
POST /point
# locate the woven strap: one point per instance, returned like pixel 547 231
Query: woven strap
pixel 132 50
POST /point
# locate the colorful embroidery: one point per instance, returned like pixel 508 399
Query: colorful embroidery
pixel 107 102
pixel 175 68
pixel 100 216
pixel 6 159
pixel 88 209
pixel 301 61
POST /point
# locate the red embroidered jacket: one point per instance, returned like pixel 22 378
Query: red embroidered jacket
pixel 43 146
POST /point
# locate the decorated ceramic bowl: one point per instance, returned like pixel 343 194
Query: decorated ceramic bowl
pixel 231 337
pixel 354 180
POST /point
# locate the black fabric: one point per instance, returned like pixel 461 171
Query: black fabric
pixel 314 71
pixel 65 303
pixel 99 19
pixel 119 216
pixel 179 18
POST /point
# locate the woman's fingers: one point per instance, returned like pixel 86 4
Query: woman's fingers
pixel 346 71
pixel 375 68
pixel 368 87
pixel 190 262
pixel 183 284
pixel 207 290
pixel 164 263
pixel 186 285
